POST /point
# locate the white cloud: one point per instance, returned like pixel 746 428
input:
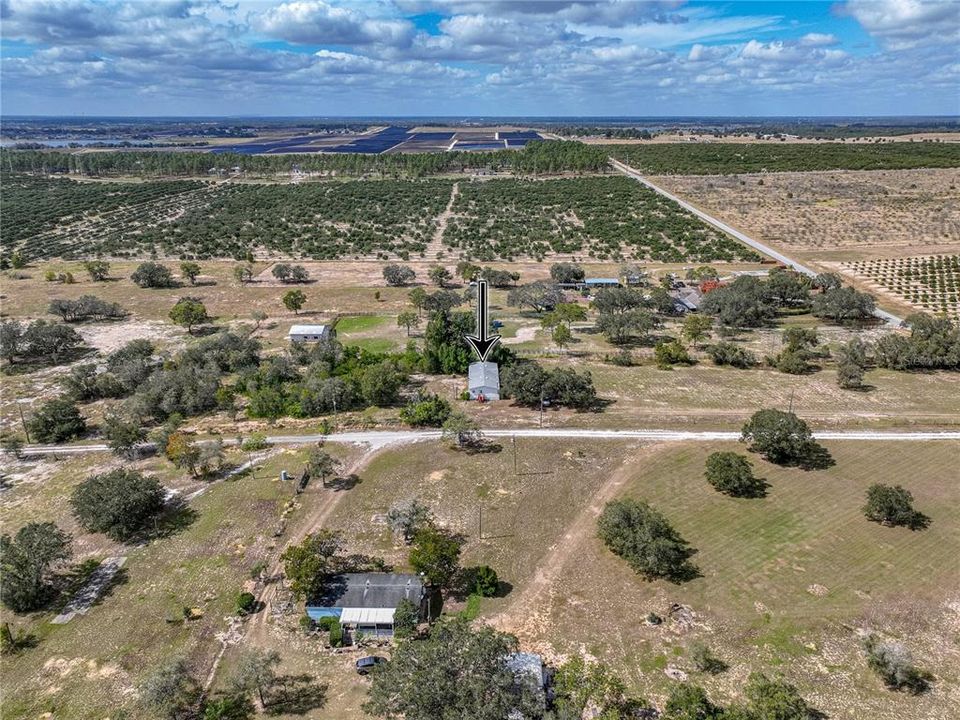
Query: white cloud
pixel 319 23
pixel 903 24
pixel 819 39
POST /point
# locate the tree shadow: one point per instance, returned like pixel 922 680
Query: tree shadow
pixel 751 491
pixel 816 457
pixel 684 573
pixel 919 521
pixel 343 483
pixel 296 695
pixel 25 367
pixel 482 448
pixel 175 517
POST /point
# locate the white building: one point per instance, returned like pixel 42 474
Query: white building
pixel 310 333
pixel 484 379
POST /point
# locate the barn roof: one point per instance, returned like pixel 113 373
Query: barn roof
pixel 483 374
pixel 307 330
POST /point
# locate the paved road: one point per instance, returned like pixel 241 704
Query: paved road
pixel 746 239
pixel 382 438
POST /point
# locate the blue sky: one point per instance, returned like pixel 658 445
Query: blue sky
pixel 479 57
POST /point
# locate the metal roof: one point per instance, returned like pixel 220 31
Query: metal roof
pixel 602 281
pixel 483 374
pixel 367 616
pixel 307 329
pixel 370 590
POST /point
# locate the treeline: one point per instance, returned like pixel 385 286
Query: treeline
pixel 540 157
pixel 731 158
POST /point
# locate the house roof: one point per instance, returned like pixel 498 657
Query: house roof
pixel 367 616
pixel 601 281
pixel 370 590
pixel 307 329
pixel 483 374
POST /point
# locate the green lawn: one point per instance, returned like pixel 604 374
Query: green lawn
pixel 359 323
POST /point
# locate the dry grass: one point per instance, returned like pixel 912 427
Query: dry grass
pixel 89 667
pixel 786 581
pixel 838 215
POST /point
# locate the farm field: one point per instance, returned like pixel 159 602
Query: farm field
pixel 497 219
pixel 597 218
pixel 836 215
pixel 730 158
pixel 931 284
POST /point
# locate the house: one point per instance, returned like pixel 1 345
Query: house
pixel 310 333
pixel 484 379
pixel 529 669
pixel 366 602
pixel 687 299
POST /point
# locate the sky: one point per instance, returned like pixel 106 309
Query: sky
pixel 479 57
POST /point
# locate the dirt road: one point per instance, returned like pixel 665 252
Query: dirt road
pixel 890 318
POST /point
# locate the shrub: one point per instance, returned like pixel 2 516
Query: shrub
pixel 486 581
pixel 728 353
pixel 405 618
pixel 56 421
pixel 118 503
pixel 336 634
pixel 426 411
pixel 152 275
pixel 783 438
pixel 307 624
pixel 398 275
pixel 326 622
pixel 672 353
pixel 704 659
pixel 646 540
pixel 256 441
pixel 892 505
pixel 246 602
pixel 732 474
pixel 894 664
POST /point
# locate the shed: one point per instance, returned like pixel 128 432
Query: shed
pixel 310 333
pixel 366 602
pixel 484 379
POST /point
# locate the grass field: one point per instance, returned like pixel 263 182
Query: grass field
pixel 786 581
pixel 89 667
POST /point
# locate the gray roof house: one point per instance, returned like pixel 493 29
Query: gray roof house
pixel 366 602
pixel 310 333
pixel 484 379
